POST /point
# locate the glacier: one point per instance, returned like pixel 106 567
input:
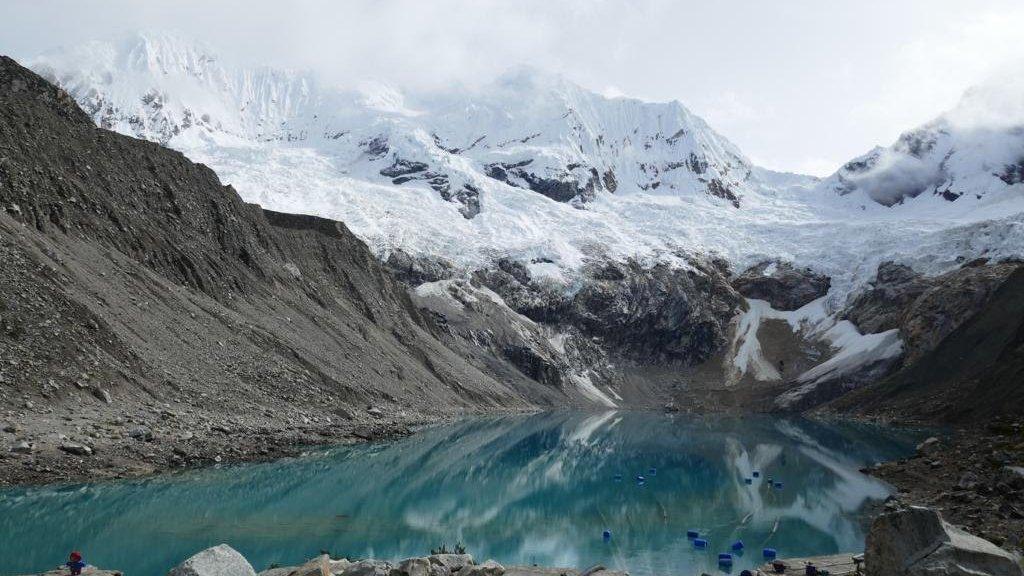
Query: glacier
pixel 291 143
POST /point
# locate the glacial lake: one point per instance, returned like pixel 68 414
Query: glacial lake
pixel 522 490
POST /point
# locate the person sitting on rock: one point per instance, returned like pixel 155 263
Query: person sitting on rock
pixel 75 563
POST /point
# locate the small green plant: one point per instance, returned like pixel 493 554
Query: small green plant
pixel 443 549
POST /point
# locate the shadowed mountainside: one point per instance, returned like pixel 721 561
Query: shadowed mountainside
pixel 136 289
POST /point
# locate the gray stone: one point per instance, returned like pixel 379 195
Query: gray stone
pixel 368 568
pixel 101 394
pixel 76 449
pixel 22 448
pixel 454 562
pixel 439 570
pixel 319 566
pixel 221 560
pixel 141 433
pixel 1012 476
pixel 339 566
pixel 489 568
pixel 929 446
pixel 412 567
pixel 917 542
pixel 282 571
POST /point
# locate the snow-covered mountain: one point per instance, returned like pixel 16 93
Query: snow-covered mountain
pixel 530 167
pixel 972 152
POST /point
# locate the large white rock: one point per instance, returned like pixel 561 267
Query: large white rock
pixel 917 542
pixel 222 560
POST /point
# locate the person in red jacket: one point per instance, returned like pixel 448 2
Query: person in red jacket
pixel 75 563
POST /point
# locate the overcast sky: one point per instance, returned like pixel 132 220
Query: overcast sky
pixel 798 85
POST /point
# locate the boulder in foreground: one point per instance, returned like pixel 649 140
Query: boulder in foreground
pixel 222 560
pixel 918 542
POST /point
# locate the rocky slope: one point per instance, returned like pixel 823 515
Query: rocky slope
pixel 974 478
pixel 965 356
pixel 149 314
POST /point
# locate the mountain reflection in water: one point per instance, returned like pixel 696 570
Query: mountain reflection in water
pixel 525 489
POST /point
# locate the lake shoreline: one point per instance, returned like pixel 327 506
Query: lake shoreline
pixel 133 450
pixel 158 453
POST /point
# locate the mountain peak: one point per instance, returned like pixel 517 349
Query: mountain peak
pixel 973 152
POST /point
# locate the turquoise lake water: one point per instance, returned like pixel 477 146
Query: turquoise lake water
pixel 520 490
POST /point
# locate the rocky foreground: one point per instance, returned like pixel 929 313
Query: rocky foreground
pixel 908 541
pixel 223 560
pixel 975 478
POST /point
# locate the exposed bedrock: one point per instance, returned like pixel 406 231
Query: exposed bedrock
pixel 917 315
pixel 783 285
pixel 649 314
pixel 575 182
pixel 973 372
pixel 471 316
pixel 925 309
pixel 416 270
pixel 467 195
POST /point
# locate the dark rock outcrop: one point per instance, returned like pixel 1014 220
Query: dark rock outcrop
pixel 470 315
pixel 468 196
pixel 402 171
pixel 972 374
pixel 415 270
pixel 882 304
pixel 925 309
pixel 781 284
pixel 537 301
pixel 719 189
pixel 1013 173
pixel 650 314
pixel 566 186
pixel 402 167
pixel 657 314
